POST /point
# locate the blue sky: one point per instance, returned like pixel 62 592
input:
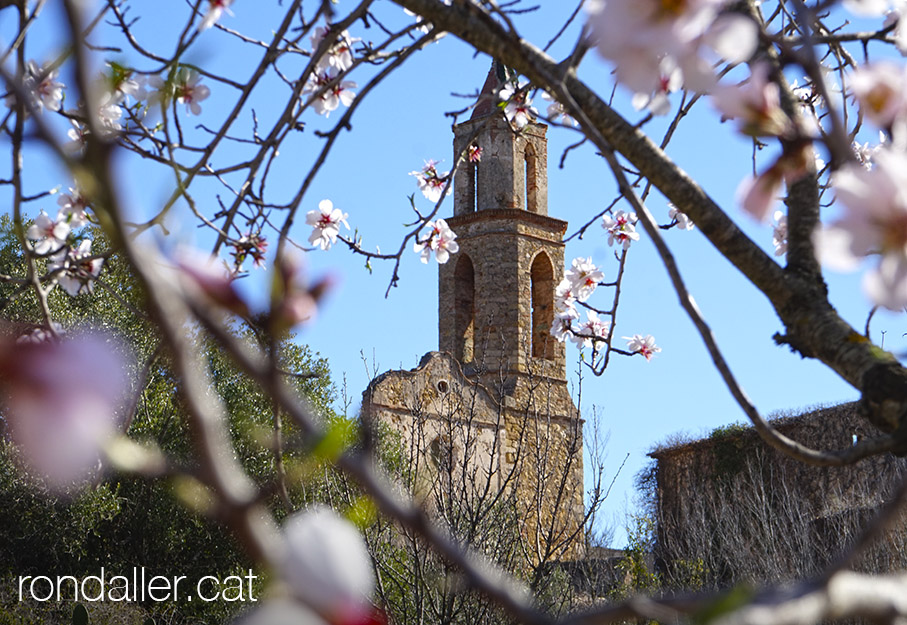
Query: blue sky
pixel 401 125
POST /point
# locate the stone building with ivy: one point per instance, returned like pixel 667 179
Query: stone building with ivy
pixel 730 509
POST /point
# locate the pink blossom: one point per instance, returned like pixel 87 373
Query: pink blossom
pixel 644 345
pixel 620 228
pixel 881 91
pixel 333 93
pixel 756 104
pixel 201 276
pixel 79 269
pixel 327 566
pixel 758 195
pixel 440 241
pixel 293 299
pixel 49 234
pixel 325 224
pixel 62 403
pixel 874 222
pixel 216 8
pixel 430 182
pixel 474 153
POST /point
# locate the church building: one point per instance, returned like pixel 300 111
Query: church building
pixel 492 407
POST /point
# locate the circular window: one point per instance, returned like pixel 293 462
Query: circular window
pixel 443 387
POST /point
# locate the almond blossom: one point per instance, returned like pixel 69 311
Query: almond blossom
pixel 250 244
pixel 679 218
pixel 583 278
pixel 331 92
pixel 430 182
pixel 620 228
pixel 78 269
pixel 293 300
pixel 779 233
pixel 73 205
pixel 865 152
pixel 187 91
pixel 518 107
pixel 643 345
pixel 874 222
pixel 587 332
pixel 49 234
pixel 202 277
pixel 670 80
pixel 42 87
pixel 61 404
pixel 440 241
pixel 325 222
pixel 474 153
pixel 340 54
pixel 755 104
pixel 757 195
pixel 78 135
pixel 327 566
pixel 881 91
pixel 216 8
pixel 556 110
pixel 565 314
pixel 637 35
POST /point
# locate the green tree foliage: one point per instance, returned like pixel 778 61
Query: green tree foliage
pixel 124 522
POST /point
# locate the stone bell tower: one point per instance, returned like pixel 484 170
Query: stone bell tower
pixel 492 406
pixel 496 295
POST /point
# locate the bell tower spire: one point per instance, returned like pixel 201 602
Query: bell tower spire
pixel 496 296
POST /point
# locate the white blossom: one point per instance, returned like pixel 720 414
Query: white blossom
pixel 325 222
pixel 881 91
pixel 593 328
pixel 73 206
pixel 187 91
pixel 441 241
pixel 518 108
pixel 583 278
pixel 335 92
pixel 216 8
pixel 327 565
pixel 49 234
pixel 683 222
pixel 620 228
pixel 755 104
pixel 431 183
pixel 779 233
pixel 556 110
pixel 62 404
pixel 643 345
pixel 874 222
pixel 78 269
pixel 339 55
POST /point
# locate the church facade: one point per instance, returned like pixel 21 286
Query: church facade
pixel 492 407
